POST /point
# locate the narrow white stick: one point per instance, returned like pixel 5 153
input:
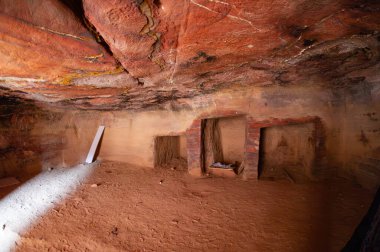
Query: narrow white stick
pixel 94 146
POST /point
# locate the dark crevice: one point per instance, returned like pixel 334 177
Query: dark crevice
pixel 97 36
pixel 76 6
pixel 157 3
pixel 309 42
pixel 140 82
pixel 10 97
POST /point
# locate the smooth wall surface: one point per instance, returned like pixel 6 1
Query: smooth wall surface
pixel 232 132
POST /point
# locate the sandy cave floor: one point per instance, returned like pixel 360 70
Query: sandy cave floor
pixel 130 210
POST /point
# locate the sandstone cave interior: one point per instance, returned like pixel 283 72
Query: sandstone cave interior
pixel 190 125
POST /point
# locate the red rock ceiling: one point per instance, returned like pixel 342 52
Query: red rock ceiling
pixel 127 54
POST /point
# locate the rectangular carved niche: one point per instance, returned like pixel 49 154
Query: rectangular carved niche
pixel 287 152
pixel 223 140
pixel 170 151
pixel 290 147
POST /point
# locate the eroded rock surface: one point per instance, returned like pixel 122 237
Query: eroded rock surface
pixel 108 54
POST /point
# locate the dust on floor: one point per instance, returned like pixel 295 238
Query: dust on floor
pixel 126 208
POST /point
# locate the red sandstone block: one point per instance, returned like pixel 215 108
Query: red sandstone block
pixel 196 126
pixel 230 113
pixel 193 149
pixel 251 149
pixel 193 145
pixel 253 133
pixel 221 113
pixel 279 122
pixel 251 156
pixel 192 135
pixel 252 141
pixel 192 140
pixel 252 127
pixel 193 130
pixel 254 144
pixel 195 162
pixel 261 125
pixel 252 161
pixel 253 136
pixel 196 123
pixel 195 139
pixel 194 157
pixel 193 152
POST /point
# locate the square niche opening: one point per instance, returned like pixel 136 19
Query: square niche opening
pixel 170 152
pixel 223 145
pixel 287 152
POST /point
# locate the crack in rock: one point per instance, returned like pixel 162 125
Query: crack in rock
pixel 148 29
pixel 225 14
